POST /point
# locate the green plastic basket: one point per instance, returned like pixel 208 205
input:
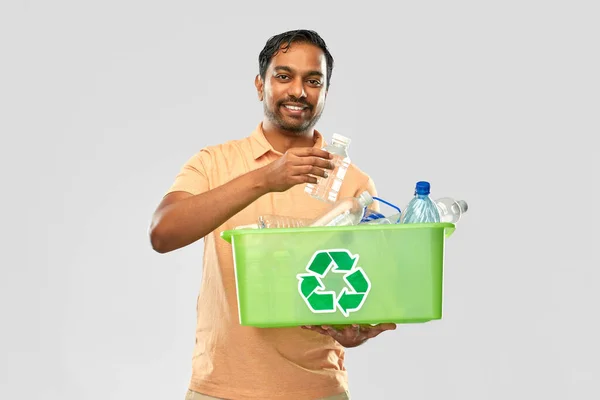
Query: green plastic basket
pixel 365 274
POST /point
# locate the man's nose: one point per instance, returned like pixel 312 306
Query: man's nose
pixel 296 89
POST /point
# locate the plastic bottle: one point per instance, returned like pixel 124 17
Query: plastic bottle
pixel 347 211
pixel 327 189
pixel 370 216
pixel 421 209
pixel 277 221
pixel 451 210
pixel 392 219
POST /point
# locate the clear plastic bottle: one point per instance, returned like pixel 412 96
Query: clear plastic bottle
pixel 327 189
pixel 371 216
pixel 451 210
pixel 277 221
pixel 347 211
pixel 421 209
pixel 281 221
pixel 392 219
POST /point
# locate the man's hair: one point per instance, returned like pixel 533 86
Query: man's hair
pixel 283 42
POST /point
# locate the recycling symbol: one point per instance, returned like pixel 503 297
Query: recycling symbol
pixel 339 261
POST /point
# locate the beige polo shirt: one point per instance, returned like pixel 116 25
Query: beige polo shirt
pixel 238 362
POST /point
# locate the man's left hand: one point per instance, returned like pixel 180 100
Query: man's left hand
pixel 351 335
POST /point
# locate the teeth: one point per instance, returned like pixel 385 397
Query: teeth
pixel 294 108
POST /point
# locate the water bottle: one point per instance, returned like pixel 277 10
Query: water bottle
pixel 421 209
pixel 277 221
pixel 347 211
pixel 451 210
pixel 281 221
pixel 327 189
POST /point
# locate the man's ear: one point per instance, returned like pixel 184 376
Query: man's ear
pixel 258 82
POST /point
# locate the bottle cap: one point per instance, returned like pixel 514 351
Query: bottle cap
pixel 463 206
pixel 422 188
pixel 365 198
pixel 342 139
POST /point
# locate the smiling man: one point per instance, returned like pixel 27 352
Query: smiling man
pixel 223 186
pixel 294 86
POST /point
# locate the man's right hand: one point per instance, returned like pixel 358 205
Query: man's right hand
pixel 296 166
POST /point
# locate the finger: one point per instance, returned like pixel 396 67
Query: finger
pixel 311 151
pixel 316 161
pixel 371 333
pixel 310 170
pixel 385 326
pixel 378 329
pixel 331 331
pixel 357 331
pixel 299 179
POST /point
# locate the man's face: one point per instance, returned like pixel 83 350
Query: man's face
pixel 294 88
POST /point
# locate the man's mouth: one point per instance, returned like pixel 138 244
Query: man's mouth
pixel 295 107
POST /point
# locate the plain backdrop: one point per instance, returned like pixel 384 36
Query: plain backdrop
pixel 494 102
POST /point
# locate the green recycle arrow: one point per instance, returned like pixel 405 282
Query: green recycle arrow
pixel 313 292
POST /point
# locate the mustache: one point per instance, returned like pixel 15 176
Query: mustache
pixel 294 100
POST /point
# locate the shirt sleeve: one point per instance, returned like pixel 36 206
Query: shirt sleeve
pixel 193 177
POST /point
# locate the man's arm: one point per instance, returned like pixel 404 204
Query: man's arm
pixel 182 218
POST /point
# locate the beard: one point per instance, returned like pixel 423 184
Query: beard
pixel 294 126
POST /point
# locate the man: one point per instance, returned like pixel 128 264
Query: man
pixel 232 184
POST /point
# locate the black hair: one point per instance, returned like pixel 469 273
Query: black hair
pixel 274 44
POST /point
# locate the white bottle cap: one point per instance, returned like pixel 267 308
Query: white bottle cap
pixel 339 138
pixel 365 198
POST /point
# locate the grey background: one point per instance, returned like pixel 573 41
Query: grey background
pixel 493 102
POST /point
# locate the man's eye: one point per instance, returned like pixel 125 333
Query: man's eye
pixel 315 82
pixel 282 76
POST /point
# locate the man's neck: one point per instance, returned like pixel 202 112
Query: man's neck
pixel 283 141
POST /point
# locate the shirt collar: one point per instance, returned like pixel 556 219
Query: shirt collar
pixel 260 145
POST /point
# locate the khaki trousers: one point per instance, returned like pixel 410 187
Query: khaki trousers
pixel 191 395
